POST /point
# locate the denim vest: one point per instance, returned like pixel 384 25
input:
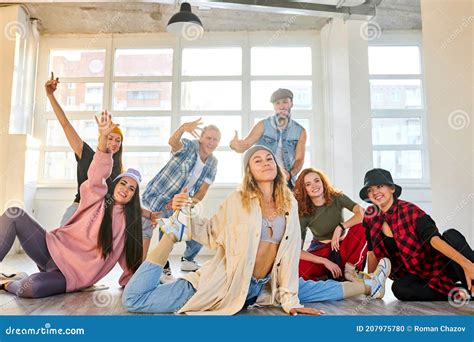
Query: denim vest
pixel 290 136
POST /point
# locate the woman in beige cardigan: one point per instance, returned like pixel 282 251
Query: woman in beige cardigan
pixel 257 239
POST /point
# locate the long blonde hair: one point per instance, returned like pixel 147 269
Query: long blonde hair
pixel 281 194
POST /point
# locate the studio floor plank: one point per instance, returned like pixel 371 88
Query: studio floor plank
pixel 108 302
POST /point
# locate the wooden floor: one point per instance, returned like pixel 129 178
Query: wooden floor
pixel 108 302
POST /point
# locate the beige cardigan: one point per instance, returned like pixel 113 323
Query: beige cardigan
pixel 222 283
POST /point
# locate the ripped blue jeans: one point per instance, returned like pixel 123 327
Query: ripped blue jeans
pixel 144 293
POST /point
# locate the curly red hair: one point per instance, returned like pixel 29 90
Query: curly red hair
pixel 306 207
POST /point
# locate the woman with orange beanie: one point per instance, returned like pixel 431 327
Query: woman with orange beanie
pixel 82 151
pixel 84 155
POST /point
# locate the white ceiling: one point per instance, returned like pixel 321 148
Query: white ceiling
pixel 145 16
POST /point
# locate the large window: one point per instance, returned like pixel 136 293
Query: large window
pixel 152 90
pixel 270 70
pixel 398 111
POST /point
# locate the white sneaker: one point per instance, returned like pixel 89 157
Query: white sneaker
pixel 167 277
pixel 379 277
pixel 175 226
pixel 189 265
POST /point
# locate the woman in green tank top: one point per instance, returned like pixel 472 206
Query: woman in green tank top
pixel 336 242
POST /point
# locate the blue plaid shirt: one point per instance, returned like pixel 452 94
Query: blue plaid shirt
pixel 173 176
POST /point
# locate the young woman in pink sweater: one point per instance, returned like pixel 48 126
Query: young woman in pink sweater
pixel 105 229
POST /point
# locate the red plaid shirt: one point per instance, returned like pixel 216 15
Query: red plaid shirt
pixel 413 256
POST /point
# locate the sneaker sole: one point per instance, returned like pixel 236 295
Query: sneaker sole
pixel 189 269
pixel 381 294
pixel 166 281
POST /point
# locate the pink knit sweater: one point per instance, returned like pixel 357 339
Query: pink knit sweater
pixel 74 246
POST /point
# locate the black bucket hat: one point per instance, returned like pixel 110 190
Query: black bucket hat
pixel 377 177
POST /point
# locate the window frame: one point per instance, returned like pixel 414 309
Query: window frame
pixel 131 41
pixel 405 39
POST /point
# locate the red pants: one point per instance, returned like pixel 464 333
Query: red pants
pixel 352 249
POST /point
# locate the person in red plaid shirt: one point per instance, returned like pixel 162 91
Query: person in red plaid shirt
pixel 425 264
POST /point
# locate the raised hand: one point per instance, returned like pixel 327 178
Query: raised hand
pixel 237 144
pixel 51 85
pixel 181 200
pixel 192 127
pixel 306 311
pixel 105 124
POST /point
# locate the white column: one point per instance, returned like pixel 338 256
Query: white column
pixel 18 152
pixel 8 24
pixel 448 58
pixel 347 105
pixel 361 116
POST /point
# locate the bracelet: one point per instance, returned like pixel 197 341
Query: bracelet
pixel 342 226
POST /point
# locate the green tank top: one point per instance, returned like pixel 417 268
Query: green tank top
pixel 326 218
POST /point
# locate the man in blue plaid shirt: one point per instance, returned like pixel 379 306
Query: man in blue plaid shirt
pixel 192 166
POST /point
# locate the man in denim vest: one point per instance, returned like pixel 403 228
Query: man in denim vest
pixel 284 136
pixel 192 166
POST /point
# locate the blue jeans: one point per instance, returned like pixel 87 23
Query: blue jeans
pixel 310 291
pixel 192 249
pixel 315 245
pixel 256 286
pixel 144 293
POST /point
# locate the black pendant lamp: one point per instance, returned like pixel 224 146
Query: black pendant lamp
pixel 185 21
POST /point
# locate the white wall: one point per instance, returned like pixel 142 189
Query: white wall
pixel 448 57
pixel 337 110
pixel 18 149
pixel 8 15
pixel 361 128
